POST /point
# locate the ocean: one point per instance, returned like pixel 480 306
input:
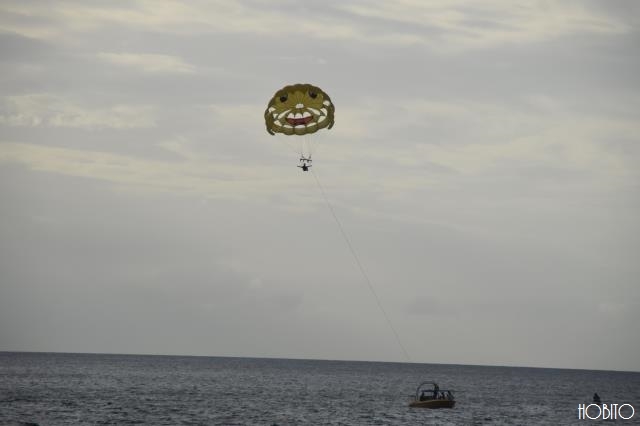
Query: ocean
pixel 94 389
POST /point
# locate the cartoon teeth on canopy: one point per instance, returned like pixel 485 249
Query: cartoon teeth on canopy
pixel 299 109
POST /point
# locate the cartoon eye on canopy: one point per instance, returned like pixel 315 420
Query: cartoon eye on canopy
pixel 299 109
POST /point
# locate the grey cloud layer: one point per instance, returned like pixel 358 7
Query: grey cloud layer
pixel 484 161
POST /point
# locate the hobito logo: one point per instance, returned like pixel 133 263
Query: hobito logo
pixel 605 411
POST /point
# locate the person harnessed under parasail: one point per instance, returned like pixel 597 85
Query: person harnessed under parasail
pixel 305 163
pixel 298 110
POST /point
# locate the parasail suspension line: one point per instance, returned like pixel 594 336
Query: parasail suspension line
pixel 362 270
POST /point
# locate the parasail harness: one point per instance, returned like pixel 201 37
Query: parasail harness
pixel 305 163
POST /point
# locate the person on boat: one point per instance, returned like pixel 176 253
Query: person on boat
pixel 436 388
pixel 596 398
pixel 423 396
pixel 449 396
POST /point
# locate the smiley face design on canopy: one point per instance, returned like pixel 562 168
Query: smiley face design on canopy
pixel 299 109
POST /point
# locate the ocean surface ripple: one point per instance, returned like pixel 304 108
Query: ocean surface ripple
pixel 90 389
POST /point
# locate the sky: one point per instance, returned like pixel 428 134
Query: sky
pixel 483 166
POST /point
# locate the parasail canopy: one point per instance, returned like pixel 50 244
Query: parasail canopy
pixel 299 109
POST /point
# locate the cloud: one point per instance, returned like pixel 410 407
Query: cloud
pixel 188 176
pixel 147 62
pixel 465 24
pixel 54 111
pixel 170 17
pixel 473 138
pixel 457 25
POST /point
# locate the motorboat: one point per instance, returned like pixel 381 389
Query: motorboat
pixel 429 395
